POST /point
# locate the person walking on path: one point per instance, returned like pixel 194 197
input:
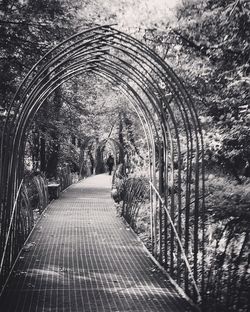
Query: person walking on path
pixel 110 163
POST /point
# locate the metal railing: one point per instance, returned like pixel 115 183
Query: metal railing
pixel 184 256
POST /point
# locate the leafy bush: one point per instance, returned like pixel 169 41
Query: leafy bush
pixel 227 245
pixel 226 199
pixel 131 192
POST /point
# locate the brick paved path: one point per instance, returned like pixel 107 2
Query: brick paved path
pixel 81 257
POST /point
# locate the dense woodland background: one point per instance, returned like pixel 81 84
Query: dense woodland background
pixel 208 44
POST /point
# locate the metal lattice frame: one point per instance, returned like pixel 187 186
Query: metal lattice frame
pixel 171 126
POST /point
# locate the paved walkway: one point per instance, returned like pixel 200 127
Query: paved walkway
pixel 82 257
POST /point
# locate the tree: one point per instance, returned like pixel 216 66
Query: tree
pixel 214 47
pixel 27 30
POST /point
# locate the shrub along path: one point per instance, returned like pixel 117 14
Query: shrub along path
pixel 82 257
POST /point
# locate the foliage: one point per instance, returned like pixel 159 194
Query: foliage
pixel 226 199
pixel 37 191
pixel 214 48
pixel 27 30
pixel 227 245
pixel 208 46
pixel 132 192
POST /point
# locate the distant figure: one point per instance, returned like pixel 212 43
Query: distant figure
pixel 110 163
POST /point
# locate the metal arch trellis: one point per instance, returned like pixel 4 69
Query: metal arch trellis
pixel 171 125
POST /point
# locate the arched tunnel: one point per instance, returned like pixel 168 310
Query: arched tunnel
pixel 171 131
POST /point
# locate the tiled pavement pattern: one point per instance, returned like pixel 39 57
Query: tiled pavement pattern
pixel 82 257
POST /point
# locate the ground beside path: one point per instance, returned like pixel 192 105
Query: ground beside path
pixel 82 257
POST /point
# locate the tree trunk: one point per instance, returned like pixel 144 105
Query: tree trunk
pixel 42 155
pixel 121 140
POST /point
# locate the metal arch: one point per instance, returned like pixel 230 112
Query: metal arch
pixel 91 51
pixel 155 235
pixel 55 87
pixel 195 118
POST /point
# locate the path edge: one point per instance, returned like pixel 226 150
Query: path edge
pixel 179 290
pixel 27 239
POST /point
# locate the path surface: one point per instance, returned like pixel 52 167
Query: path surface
pixel 82 257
